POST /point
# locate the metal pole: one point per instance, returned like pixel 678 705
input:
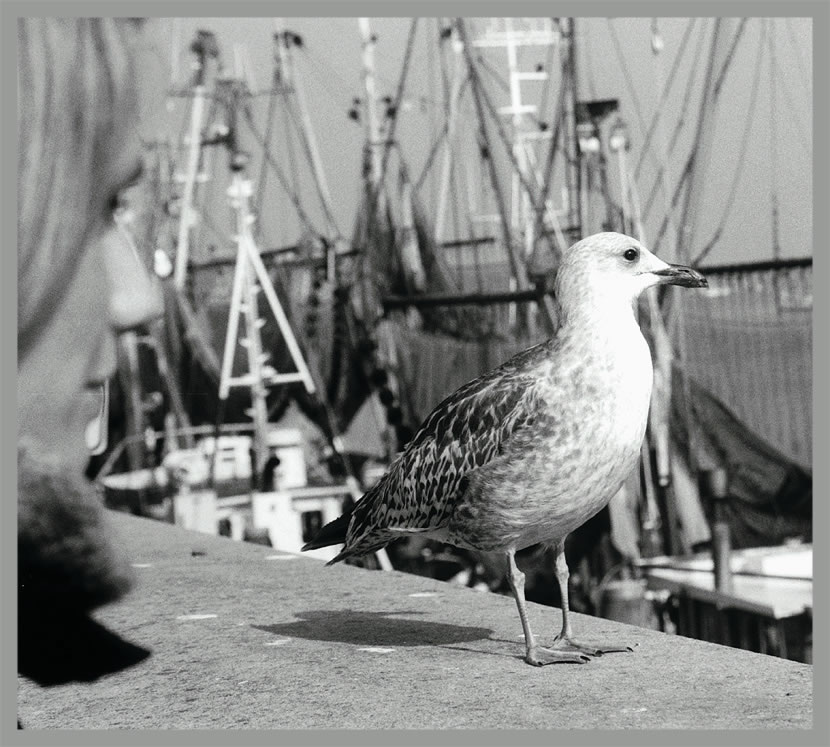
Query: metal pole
pixel 204 46
pixel 573 175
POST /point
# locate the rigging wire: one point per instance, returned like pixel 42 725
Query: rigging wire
pixel 307 150
pixel 586 64
pixel 432 56
pixel 803 73
pixel 632 90
pixel 803 139
pixel 690 161
pixel 536 201
pixel 263 168
pixel 494 74
pixel 500 80
pixel 291 156
pixel 438 141
pixel 304 217
pixel 729 55
pixel 664 95
pixel 741 160
pixel 330 72
pixel 543 102
pixel 681 121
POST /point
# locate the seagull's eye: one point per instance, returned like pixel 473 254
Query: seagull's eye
pixel 631 254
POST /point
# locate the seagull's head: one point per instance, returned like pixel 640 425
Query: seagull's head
pixel 613 268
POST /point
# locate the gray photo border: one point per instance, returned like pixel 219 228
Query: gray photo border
pixel 818 10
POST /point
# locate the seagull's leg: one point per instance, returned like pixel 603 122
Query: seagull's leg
pixel 564 641
pixel 535 655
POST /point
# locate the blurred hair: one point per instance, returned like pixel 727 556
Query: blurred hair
pixel 76 99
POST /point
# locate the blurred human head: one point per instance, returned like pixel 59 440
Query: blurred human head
pixel 79 282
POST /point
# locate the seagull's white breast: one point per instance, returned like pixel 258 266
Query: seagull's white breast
pixel 584 444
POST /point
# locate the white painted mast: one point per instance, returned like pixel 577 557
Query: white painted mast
pixel 203 47
pixel 374 154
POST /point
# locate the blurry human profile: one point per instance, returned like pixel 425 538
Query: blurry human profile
pixel 80 284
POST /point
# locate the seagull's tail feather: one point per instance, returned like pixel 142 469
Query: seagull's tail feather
pixel 333 533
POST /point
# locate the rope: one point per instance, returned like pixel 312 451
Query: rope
pixel 432 55
pixel 587 65
pixel 802 136
pixel 437 144
pixel 306 144
pixel 664 95
pixel 263 169
pixel 681 120
pixel 803 73
pixel 330 73
pixel 537 201
pixel 632 90
pixel 291 156
pixel 729 55
pixel 494 74
pixel 733 190
pixel 543 101
pixel 295 200
pixel 500 80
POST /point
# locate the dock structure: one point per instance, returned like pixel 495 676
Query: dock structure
pixel 247 637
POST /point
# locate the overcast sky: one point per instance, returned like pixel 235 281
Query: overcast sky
pixel 615 59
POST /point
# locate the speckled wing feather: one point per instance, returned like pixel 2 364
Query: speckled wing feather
pixel 464 432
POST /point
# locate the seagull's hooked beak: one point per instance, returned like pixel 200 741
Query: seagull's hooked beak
pixel 681 275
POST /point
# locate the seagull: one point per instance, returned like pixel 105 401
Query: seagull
pixel 528 452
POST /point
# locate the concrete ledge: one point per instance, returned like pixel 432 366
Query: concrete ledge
pixel 246 637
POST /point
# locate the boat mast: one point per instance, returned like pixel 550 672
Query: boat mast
pixel 573 179
pixel 373 154
pixel 451 103
pixel 251 278
pixel 203 47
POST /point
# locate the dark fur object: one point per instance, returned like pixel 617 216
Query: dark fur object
pixel 67 567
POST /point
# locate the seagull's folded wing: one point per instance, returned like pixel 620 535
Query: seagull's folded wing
pixel 466 431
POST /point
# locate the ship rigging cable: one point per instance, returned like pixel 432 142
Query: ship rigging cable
pixel 686 99
pixel 263 168
pixel 664 95
pixel 741 160
pixel 295 200
pixel 689 163
pixel 803 139
pixel 803 74
pixel 537 201
pixel 729 55
pixel 632 90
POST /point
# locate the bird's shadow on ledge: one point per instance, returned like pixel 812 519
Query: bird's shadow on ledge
pixel 375 629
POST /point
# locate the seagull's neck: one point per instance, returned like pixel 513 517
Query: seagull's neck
pixel 601 317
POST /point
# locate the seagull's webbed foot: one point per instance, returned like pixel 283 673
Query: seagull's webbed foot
pixel 534 654
pixel 566 644
pixel 564 641
pixel 538 656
